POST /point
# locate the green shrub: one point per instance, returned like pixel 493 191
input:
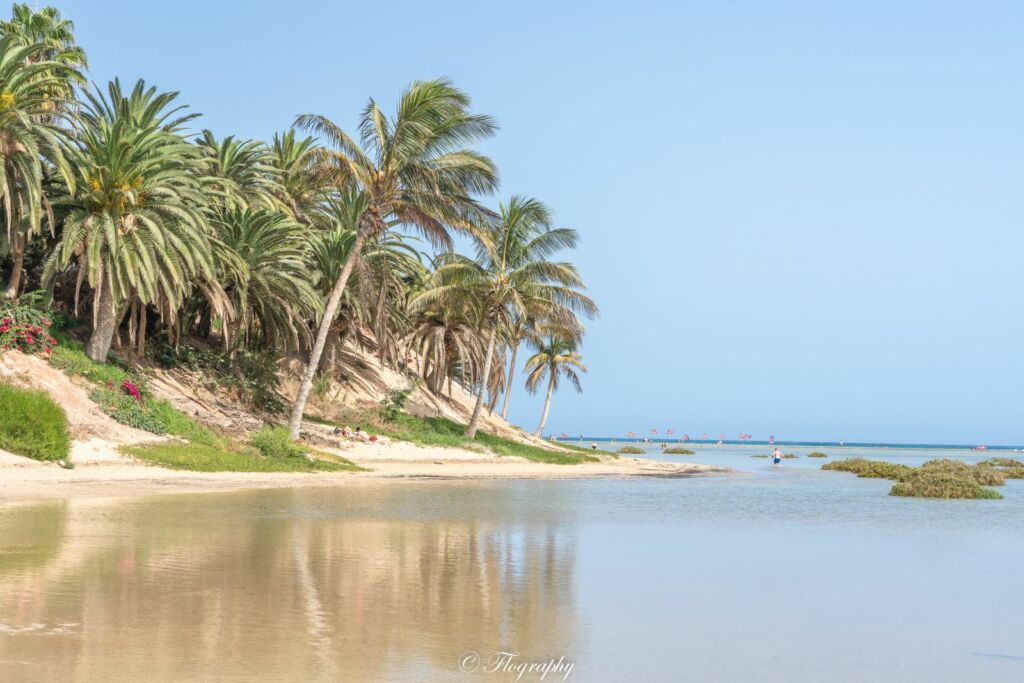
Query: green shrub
pixel 983 475
pixel 178 424
pixel 816 454
pixel 393 403
pixel 870 469
pixel 631 450
pixel 675 450
pixel 276 442
pixel 941 484
pixel 251 375
pixel 127 410
pixel 32 424
pixel 1007 467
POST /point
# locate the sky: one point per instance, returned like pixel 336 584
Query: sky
pixel 799 219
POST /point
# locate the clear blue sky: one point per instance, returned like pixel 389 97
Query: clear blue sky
pixel 799 218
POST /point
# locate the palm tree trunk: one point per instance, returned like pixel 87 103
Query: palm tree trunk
pixel 18 257
pixel 330 310
pixel 474 422
pixel 547 406
pixel 106 319
pixel 508 387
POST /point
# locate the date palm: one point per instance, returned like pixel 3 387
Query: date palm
pixel 513 276
pixel 136 228
pixel 271 295
pixel 239 174
pixel 32 106
pixel 416 169
pixel 555 358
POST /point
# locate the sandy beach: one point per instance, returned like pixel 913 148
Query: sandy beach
pixel 100 471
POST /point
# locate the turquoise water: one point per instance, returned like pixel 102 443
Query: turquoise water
pixel 770 575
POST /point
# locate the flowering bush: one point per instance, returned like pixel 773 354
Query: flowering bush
pixel 131 390
pixel 27 337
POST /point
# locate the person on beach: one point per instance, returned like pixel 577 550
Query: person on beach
pixel 776 457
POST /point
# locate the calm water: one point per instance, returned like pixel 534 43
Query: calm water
pixel 789 575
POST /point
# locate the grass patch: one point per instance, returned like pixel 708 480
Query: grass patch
pixel 70 357
pixel 941 484
pixel 203 458
pixel 677 451
pixel 276 442
pixel 31 424
pixel 817 454
pixel 631 450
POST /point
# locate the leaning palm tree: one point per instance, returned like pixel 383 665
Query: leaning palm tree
pixel 136 229
pixel 32 105
pixel 513 275
pixel 415 169
pixel 555 357
pixel 514 332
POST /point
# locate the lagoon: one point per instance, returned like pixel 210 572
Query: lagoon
pixel 769 575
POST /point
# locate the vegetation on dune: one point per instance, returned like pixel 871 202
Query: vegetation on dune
pixel 228 255
pixel 675 450
pixel 31 424
pixel 940 484
pixel 438 431
pixel 631 450
pixel 817 454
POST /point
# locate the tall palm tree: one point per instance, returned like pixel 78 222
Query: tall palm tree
pixel 555 357
pixel 48 28
pixel 513 275
pixel 136 228
pixel 32 107
pixel 416 170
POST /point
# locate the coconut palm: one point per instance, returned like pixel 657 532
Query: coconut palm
pixel 555 357
pixel 136 228
pixel 514 331
pixel 514 276
pixel 31 111
pixel 416 170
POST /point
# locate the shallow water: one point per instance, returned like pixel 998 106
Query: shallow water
pixel 776 575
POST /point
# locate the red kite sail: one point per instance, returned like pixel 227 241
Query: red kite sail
pixel 654 432
pixel 630 434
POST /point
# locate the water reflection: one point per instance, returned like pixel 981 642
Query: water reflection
pixel 281 585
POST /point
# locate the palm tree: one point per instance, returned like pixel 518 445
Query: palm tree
pixel 240 174
pixel 513 275
pixel 51 30
pixel 294 160
pixel 514 332
pixel 272 295
pixel 415 170
pixel 555 357
pixel 136 228
pixel 32 105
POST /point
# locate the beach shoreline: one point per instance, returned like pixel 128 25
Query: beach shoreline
pixel 101 471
